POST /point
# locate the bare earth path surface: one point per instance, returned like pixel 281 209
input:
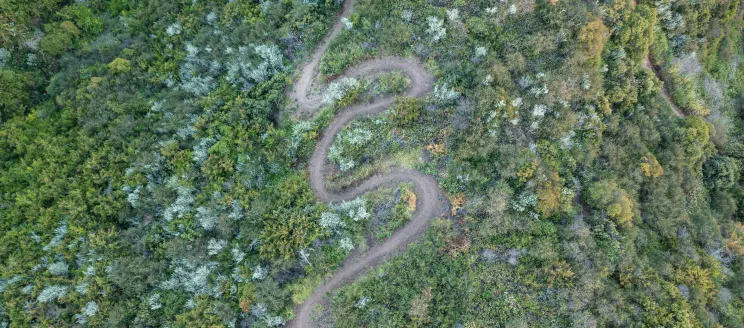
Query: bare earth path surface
pixel 430 199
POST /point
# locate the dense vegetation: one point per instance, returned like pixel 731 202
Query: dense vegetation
pixel 152 172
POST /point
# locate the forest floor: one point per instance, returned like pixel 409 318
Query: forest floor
pixel 664 91
pixel 431 201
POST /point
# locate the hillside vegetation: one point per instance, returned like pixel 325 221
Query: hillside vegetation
pixel 154 170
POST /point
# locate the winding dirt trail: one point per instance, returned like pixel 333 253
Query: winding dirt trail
pixel 430 199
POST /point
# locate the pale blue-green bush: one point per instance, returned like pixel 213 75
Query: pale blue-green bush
pixel 670 20
pixel 259 310
pixel 304 256
pixel 330 220
pixel 355 209
pixel 191 278
pixel 524 81
pixel 237 254
pixel 362 302
pixel 436 29
pixel 524 201
pixel 274 321
pixel 349 144
pixel 200 152
pixel 197 74
pixel 51 293
pixel 480 51
pixel 174 29
pixel 212 18
pixel 206 217
pixel 236 211
pixel 338 89
pixel 82 288
pixel 153 302
pixel 133 196
pixel 252 172
pixel 59 234
pixel 259 273
pixel 243 73
pixel 31 60
pixel 183 201
pixel 4 56
pixel 215 246
pixel 90 309
pixel 407 15
pixel 347 23
pixel 58 268
pixel 346 244
pixel 453 14
pixel 4 284
pixel 539 110
pixel 444 93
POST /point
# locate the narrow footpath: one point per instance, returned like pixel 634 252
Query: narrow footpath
pixel 664 92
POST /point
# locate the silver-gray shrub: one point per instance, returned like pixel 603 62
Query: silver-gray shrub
pixel 237 254
pixel 133 196
pixel 174 29
pixel 154 302
pixel 82 288
pixel 4 284
pixel 4 56
pixel 453 14
pixel 330 220
pixel 215 246
pixel 355 209
pixel 243 73
pixel 201 150
pixel 337 90
pixel 259 310
pixel 350 140
pixel 31 60
pixel 51 293
pixel 191 278
pixel 436 29
pixel 524 201
pixel 183 202
pixel 445 94
pixel 346 244
pixel 212 18
pixel 58 268
pixel 206 217
pixel 669 19
pixel 197 74
pixel 236 211
pixel 274 321
pixel 407 15
pixel 90 309
pixel 59 233
pixel 689 65
pixel 259 273
pixel 252 172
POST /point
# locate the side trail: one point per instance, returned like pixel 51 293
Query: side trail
pixel 664 93
pixel 430 199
